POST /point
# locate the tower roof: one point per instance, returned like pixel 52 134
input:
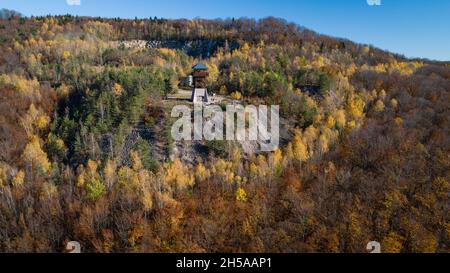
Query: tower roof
pixel 200 66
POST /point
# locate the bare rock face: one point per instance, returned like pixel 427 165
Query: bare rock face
pixel 195 48
pixel 192 152
pixel 133 44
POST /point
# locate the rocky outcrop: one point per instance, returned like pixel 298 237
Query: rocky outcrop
pixel 138 44
pixel 195 48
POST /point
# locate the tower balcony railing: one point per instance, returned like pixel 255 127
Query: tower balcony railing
pixel 200 74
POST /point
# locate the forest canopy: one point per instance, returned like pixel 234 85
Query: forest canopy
pixel 86 152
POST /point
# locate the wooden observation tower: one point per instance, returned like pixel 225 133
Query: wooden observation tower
pixel 199 92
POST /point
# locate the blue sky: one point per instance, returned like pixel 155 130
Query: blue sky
pixel 416 28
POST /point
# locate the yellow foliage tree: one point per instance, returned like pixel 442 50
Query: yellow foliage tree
pixel 260 167
pixel 393 103
pixel 392 243
pixel 253 169
pixel 309 136
pixel 117 89
pixel 109 173
pixel 398 121
pixel 355 106
pixel 299 149
pixel 241 195
pixel 42 122
pixel 147 200
pixel 136 162
pixel 19 178
pixel 99 29
pixel 236 95
pixel 288 152
pixel 276 162
pixel 426 244
pixel 213 73
pixel 331 122
pixel 201 173
pixel 235 156
pixel 95 189
pixel 379 106
pixel 34 118
pixel 224 170
pixel 351 125
pixel 177 175
pixel 223 90
pixel 22 85
pixel 81 179
pixel 366 50
pixel 89 178
pixel 245 48
pixel 124 175
pixel 324 143
pixel 276 157
pixel 34 155
pixel 319 62
pixel 92 168
pixel 168 52
pixel 63 90
pixel 28 120
pixel 3 176
pixel 340 118
pixel 66 55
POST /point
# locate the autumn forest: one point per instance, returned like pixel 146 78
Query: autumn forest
pixel 86 152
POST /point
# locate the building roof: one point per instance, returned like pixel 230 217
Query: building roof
pixel 200 66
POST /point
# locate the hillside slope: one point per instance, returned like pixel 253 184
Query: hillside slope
pixel 367 158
